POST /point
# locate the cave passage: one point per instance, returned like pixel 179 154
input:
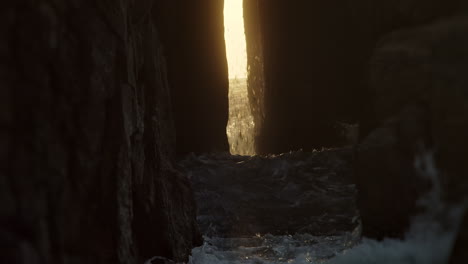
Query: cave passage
pixel 346 122
pixel 240 128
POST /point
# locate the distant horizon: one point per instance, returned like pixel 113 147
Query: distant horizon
pixel 238 78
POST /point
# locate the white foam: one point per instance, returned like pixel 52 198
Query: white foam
pixel 431 235
pixel 429 240
pixel 269 249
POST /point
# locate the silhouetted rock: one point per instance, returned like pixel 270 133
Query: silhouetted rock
pixel 87 137
pixel 387 181
pixel 193 36
pixel 315 56
pixel 460 250
pixel 255 60
pixel 420 89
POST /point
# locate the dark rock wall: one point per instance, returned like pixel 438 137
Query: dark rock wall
pixel 87 137
pixel 379 18
pixel 193 38
pixel 316 56
pixel 321 66
pixel 255 61
pixel 418 77
pixel 302 45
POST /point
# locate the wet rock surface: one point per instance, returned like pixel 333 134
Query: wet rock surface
pixel 291 193
pixel 270 249
pixel 229 212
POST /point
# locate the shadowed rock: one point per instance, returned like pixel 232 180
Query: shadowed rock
pixel 87 137
pixel 419 81
pixel 287 194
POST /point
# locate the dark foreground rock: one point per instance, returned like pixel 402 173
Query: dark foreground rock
pixel 420 87
pixel 286 194
pixel 387 182
pixel 193 36
pixel 460 250
pixel 87 137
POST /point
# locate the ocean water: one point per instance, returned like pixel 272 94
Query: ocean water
pixel 428 241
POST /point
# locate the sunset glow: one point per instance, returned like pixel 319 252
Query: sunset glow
pixel 240 128
pixel 234 36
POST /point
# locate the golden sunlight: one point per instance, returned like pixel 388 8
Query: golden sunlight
pixel 235 39
pixel 240 128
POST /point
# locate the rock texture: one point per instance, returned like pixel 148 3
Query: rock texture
pixel 193 37
pixel 388 183
pixel 293 193
pixel 419 83
pixel 87 137
pixel 316 56
pixel 255 62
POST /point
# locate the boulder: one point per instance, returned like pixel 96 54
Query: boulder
pixel 315 56
pixel 420 92
pixel 388 184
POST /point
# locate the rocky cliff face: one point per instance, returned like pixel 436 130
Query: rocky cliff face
pixel 396 67
pixel 419 82
pixel 193 36
pixel 316 56
pixel 255 61
pixel 460 254
pixel 87 137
